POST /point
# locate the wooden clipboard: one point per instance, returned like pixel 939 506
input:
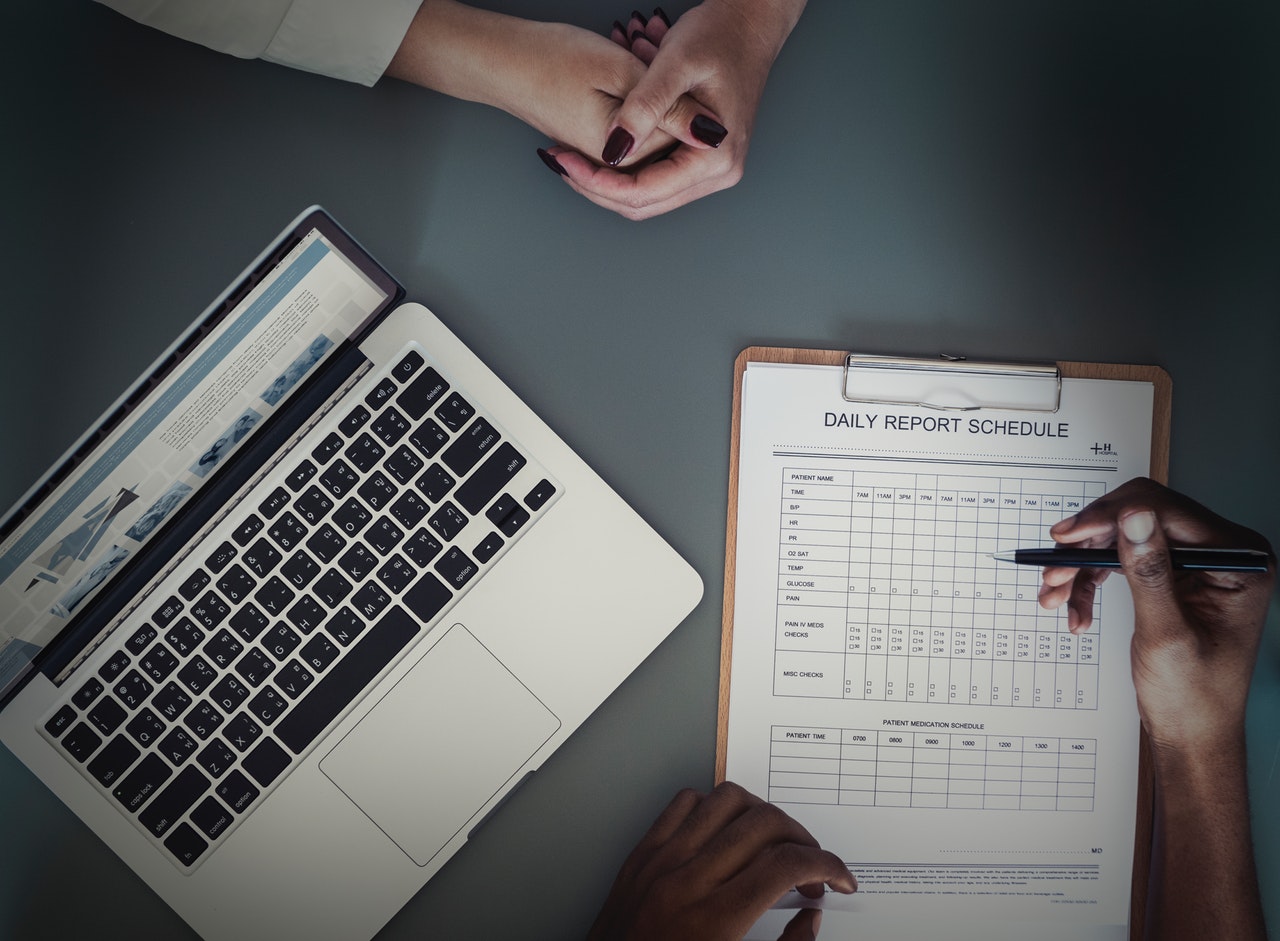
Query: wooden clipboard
pixel 1159 471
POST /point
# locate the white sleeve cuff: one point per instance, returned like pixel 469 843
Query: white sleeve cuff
pixel 353 40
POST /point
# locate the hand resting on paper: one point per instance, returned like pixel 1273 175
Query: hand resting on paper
pixel 710 866
pixel 1195 641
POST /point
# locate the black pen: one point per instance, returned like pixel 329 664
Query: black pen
pixel 1210 560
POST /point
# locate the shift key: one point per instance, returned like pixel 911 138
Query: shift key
pixel 489 478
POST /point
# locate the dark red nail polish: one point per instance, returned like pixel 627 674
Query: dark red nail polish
pixel 708 131
pixel 637 15
pixel 636 34
pixel 662 15
pixel 617 147
pixel 552 162
pixel 620 28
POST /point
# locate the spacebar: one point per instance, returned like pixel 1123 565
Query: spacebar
pixel 347 680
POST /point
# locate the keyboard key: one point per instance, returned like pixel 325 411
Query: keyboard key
pixel 260 558
pixel 274 503
pixel 167 612
pixel 537 498
pixel 220 558
pixel 177 746
pixel 435 483
pixel 456 568
pixel 248 622
pixel 339 479
pixel 132 690
pixel 299 570
pixel 254 667
pixel 488 547
pixel 319 653
pixel 403 464
pixel 364 453
pixel 369 601
pixel 390 427
pixel 422 393
pixel 185 844
pixel 354 421
pixel 409 509
pixel 145 728
pixel 87 693
pixel 454 412
pixel 470 446
pixel 237 792
pixel 383 536
pixel 293 679
pixel 197 675
pixel 247 530
pixel 194 584
pixel 211 818
pixel 490 477
pixel 421 548
pixel 281 641
pixel 380 394
pixel 242 732
pixel 142 782
pixel 429 438
pixel 158 663
pixel 174 801
pixel 140 639
pixel 185 636
pixel 345 626
pixel 216 758
pixel 397 574
pixel 266 762
pixel 203 720
pixel 229 693
pixel 172 701
pixel 427 598
pixel 377 491
pixel 106 715
pixel 358 562
pixel 238 584
pixel 268 705
pixel 287 531
pixel 113 761
pixel 61 721
pixel 448 521
pixel 274 596
pixel 351 518
pixel 346 679
pixel 508 515
pixel 325 543
pixel 331 588
pixel 81 742
pixel 324 451
pixel 299 476
pixel 407 366
pixel 114 666
pixel 313 506
pixel 210 610
pixel 306 614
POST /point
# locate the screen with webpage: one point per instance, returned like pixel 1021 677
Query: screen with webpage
pixel 164 451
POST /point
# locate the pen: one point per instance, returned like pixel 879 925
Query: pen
pixel 1212 560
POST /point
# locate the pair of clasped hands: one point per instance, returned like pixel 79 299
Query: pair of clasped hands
pixel 652 117
pixel 713 864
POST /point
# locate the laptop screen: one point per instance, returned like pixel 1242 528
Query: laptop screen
pixel 203 401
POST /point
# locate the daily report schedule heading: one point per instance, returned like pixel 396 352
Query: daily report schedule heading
pixel 901 693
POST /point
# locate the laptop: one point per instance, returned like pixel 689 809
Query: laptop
pixel 313 597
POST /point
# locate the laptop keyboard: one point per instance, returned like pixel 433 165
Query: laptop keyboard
pixel 332 566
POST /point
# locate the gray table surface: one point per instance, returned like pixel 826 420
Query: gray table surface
pixel 1091 181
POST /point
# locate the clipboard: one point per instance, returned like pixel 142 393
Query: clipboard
pixel 947 383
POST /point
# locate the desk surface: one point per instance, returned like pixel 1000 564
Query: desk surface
pixel 1088 182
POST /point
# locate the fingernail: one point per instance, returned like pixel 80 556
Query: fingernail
pixel 1139 526
pixel 618 146
pixel 636 34
pixel 662 15
pixel 707 130
pixel 637 15
pixel 622 30
pixel 552 162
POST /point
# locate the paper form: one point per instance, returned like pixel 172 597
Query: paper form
pixel 902 694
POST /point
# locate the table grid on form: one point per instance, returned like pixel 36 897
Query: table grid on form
pixel 886 591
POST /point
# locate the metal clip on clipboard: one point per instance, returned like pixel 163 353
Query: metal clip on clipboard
pixel 952 383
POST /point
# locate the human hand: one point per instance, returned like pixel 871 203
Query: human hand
pixel 706 75
pixel 710 866
pixel 1196 633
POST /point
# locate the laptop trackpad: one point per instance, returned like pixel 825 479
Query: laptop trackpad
pixel 444 740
